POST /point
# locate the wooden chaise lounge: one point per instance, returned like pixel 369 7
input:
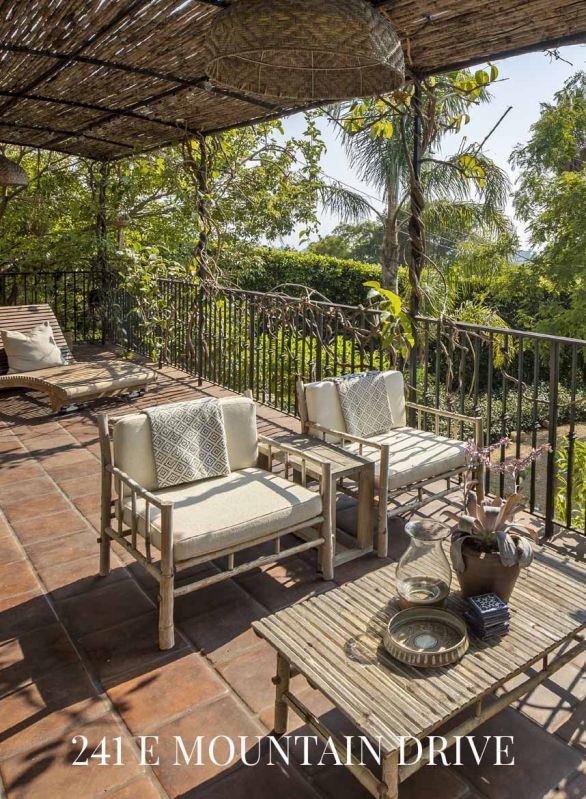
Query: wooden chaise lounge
pixel 74 382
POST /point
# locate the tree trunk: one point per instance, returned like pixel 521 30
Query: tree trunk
pixel 390 253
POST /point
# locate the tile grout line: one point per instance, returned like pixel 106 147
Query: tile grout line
pixel 93 679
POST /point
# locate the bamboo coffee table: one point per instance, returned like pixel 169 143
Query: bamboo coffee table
pixel 334 640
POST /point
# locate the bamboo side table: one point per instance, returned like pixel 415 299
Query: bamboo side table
pixel 347 467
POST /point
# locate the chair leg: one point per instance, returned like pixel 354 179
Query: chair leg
pixel 326 553
pixel 479 476
pixel 328 526
pixel 105 506
pixel 166 602
pixel 382 543
pixel 105 544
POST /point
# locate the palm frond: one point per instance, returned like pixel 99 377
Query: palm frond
pixel 348 205
pixel 455 220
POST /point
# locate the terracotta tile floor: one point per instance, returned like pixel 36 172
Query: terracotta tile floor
pixel 78 654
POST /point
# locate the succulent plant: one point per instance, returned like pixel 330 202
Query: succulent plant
pixel 489 523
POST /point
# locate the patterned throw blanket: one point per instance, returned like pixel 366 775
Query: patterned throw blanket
pixel 365 403
pixel 189 442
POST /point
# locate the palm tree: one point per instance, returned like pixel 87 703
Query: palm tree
pixel 454 206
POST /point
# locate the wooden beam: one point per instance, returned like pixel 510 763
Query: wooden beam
pixel 114 112
pixel 65 134
pixel 547 44
pixel 243 98
pixel 92 39
pixel 107 64
pixel 96 123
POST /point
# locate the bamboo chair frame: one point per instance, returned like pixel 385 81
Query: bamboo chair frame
pixel 167 569
pixel 385 498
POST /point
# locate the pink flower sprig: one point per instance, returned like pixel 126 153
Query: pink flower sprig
pixel 513 466
pixel 481 455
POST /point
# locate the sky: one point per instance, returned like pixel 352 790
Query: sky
pixel 524 82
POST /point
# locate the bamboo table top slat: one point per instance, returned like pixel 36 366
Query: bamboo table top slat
pixel 343 463
pixel 335 641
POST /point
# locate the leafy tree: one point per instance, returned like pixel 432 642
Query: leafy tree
pixel 260 186
pixel 551 199
pixel 358 242
pixel 47 224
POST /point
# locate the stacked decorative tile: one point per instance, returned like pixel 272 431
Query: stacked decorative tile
pixel 487 615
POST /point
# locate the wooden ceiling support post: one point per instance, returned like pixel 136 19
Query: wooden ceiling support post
pixel 198 168
pixel 416 232
pixel 202 174
pixel 102 242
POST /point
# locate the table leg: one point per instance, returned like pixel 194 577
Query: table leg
pixel 364 530
pixel 328 550
pixel 281 681
pixel 390 777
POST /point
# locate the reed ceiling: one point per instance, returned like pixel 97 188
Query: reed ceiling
pixel 107 78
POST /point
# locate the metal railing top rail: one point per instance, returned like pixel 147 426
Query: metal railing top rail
pixel 509 331
pixel 272 294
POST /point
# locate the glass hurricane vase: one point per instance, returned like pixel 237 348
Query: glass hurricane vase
pixel 424 573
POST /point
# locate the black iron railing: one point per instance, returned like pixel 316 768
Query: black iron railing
pixel 528 386
pixel 74 296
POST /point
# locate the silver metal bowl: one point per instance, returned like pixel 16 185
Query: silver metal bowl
pixel 426 637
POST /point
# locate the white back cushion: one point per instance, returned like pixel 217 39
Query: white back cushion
pixel 323 406
pixel 133 447
pixel 396 391
pixel 323 402
pixel 241 435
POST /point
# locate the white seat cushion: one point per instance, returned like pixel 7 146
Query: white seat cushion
pixel 416 455
pixel 211 515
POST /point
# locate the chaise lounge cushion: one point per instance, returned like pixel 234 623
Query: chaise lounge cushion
pixel 228 511
pixel 416 455
pixel 27 352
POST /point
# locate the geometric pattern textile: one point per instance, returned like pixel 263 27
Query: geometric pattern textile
pixel 189 442
pixel 365 403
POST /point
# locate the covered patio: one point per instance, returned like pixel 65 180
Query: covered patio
pixel 78 653
pixel 72 663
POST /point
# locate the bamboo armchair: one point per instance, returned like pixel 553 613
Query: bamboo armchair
pixel 170 530
pixel 407 459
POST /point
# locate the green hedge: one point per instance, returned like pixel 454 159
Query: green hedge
pixel 263 268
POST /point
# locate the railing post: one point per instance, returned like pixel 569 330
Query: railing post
pixel 554 368
pixel 102 243
pixel 413 357
pixel 199 300
pixel 319 345
pixel 251 345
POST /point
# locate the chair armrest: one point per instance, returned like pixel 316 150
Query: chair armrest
pixel 137 489
pixel 460 417
pixel 475 421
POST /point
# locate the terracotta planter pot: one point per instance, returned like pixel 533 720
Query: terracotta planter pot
pixel 485 574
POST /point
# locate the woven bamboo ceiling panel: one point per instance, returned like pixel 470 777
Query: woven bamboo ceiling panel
pixel 108 78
